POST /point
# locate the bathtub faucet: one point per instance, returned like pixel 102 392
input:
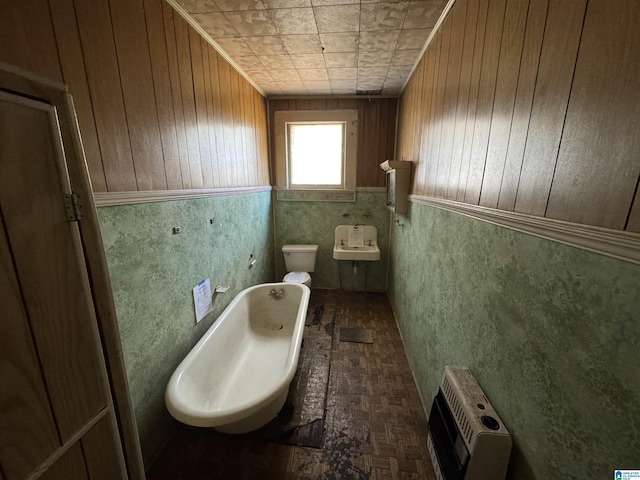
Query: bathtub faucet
pixel 276 294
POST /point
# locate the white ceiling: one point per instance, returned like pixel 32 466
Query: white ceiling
pixel 320 47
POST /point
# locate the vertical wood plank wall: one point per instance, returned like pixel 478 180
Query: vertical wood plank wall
pixel 158 107
pixel 530 106
pixel 376 130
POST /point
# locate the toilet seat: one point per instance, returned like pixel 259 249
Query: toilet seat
pixel 297 277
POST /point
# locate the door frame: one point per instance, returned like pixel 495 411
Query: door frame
pixel 15 80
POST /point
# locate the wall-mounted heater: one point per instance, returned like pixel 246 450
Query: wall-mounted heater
pixel 467 440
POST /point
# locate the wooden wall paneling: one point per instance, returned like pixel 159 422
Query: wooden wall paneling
pixel 258 128
pixel 302 104
pixel 416 113
pixel 101 63
pixel 361 146
pixel 102 463
pixel 422 168
pixel 29 433
pixel 474 87
pixel 598 166
pixel 534 31
pixel 27 38
pixel 250 129
pixel 438 105
pixel 553 85
pixel 70 466
pixel 486 96
pixel 200 101
pixel 633 222
pixel 451 95
pixel 59 302
pixel 417 170
pixel 236 109
pixel 132 48
pixel 188 99
pixel 460 124
pixel 378 176
pixel 74 74
pixel 332 103
pixel 264 141
pixel 176 93
pixel 371 149
pixel 347 103
pixel 210 123
pixel 391 137
pixel 227 120
pixel 515 20
pixel 163 92
pixel 221 172
pixel 317 104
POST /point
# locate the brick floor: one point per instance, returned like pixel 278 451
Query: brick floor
pixel 374 424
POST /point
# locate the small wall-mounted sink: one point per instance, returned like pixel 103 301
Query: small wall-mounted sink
pixel 356 242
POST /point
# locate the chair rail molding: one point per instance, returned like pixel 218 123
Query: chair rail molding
pixel 613 243
pixel 108 199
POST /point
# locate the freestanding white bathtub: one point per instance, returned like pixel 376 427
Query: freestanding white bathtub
pixel 236 378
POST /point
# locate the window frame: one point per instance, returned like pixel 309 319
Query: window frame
pixel 282 118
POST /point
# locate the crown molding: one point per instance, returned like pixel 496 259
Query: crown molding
pixel 613 243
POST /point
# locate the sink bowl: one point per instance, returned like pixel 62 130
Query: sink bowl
pixel 366 253
pixel 359 243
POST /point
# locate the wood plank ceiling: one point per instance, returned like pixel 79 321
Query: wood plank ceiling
pixel 320 47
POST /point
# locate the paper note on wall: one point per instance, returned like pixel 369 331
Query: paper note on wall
pixel 202 299
pixel 356 237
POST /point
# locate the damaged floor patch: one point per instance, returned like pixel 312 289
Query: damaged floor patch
pixel 355 335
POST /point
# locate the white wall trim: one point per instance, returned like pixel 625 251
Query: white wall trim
pixel 184 14
pixel 613 243
pixel 431 36
pixel 107 199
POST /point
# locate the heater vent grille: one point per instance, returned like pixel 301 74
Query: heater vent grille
pixel 457 410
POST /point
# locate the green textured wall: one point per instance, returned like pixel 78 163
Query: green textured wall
pixel 154 271
pixel 314 222
pixel 551 333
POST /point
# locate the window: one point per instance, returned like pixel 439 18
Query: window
pixel 316 149
pixel 315 154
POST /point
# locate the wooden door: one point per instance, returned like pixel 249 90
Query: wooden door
pixel 56 413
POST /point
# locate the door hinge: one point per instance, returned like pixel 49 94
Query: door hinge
pixel 74 207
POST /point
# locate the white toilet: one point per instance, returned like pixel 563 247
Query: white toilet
pixel 299 260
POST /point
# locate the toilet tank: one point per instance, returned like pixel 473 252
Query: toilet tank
pixel 300 258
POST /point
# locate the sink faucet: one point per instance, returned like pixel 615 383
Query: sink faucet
pixel 276 294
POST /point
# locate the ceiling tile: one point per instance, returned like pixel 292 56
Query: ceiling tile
pixel 308 61
pixel 343 91
pixel 313 74
pixel 339 42
pixel 423 14
pixel 252 23
pixel 270 45
pixel 248 62
pixel 234 46
pixel 382 16
pixel 394 82
pixel 412 39
pixel 341 60
pixel 371 84
pixel 343 83
pixel 302 43
pixel 321 3
pixel 286 3
pixel 317 85
pixel 374 59
pixel 215 24
pixel 343 73
pixel 290 21
pixel 340 18
pixel 293 88
pixel 260 76
pixel 371 72
pixel 282 76
pixel 405 57
pixel 379 40
pixel 399 71
pixel 277 62
pixel 239 5
pixel 199 6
